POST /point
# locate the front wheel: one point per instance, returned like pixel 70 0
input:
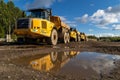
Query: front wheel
pixel 66 38
pixel 75 39
pixel 53 38
pixel 78 39
pixel 54 56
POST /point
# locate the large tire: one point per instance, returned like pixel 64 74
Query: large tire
pixel 75 39
pixel 78 38
pixel 68 37
pixel 54 56
pixel 65 38
pixel 53 38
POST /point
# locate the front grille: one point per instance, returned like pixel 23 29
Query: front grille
pixel 44 25
pixel 22 23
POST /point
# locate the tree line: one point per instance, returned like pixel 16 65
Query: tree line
pixel 110 39
pixel 9 13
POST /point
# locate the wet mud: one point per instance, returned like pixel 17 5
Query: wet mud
pixel 74 61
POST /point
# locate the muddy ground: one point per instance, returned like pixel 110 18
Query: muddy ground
pixel 12 69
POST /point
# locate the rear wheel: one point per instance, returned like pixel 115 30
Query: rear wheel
pixel 68 37
pixel 75 39
pixel 78 38
pixel 65 38
pixel 53 38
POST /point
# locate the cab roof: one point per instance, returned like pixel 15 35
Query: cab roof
pixel 39 9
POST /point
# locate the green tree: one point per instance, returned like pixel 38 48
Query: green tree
pixel 8 16
pixel 2 17
pixel 1 32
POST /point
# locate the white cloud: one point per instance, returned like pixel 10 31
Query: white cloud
pixel 115 9
pixel 116 26
pixel 63 18
pixel 100 62
pixel 116 57
pixel 102 27
pixel 90 30
pixel 41 3
pixel 82 19
pixel 103 18
pixel 109 8
pixel 70 23
pixel 98 14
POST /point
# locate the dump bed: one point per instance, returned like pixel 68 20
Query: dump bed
pixel 65 25
pixel 58 23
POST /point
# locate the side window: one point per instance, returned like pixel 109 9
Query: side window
pixel 43 15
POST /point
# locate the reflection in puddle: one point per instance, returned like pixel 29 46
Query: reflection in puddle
pixel 53 61
pixel 64 63
pixel 75 64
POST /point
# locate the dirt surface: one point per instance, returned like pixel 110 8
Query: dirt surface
pixel 10 70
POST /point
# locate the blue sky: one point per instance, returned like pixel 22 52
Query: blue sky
pixel 94 17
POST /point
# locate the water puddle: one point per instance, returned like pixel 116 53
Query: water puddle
pixel 72 64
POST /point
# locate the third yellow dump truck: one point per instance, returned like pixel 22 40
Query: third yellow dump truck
pixel 83 37
pixel 74 35
pixel 41 24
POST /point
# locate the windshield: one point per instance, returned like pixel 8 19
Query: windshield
pixel 37 14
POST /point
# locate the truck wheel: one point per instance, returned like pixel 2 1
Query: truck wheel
pixel 78 39
pixel 68 37
pixel 54 37
pixel 65 37
pixel 75 39
pixel 54 56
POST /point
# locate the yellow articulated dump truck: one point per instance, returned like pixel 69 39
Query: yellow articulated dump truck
pixel 39 25
pixel 74 35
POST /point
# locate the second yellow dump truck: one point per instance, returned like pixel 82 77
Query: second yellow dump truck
pixel 41 24
pixel 73 34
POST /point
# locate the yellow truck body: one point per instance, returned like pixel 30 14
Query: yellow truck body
pixel 46 27
pixel 58 23
pixel 38 28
